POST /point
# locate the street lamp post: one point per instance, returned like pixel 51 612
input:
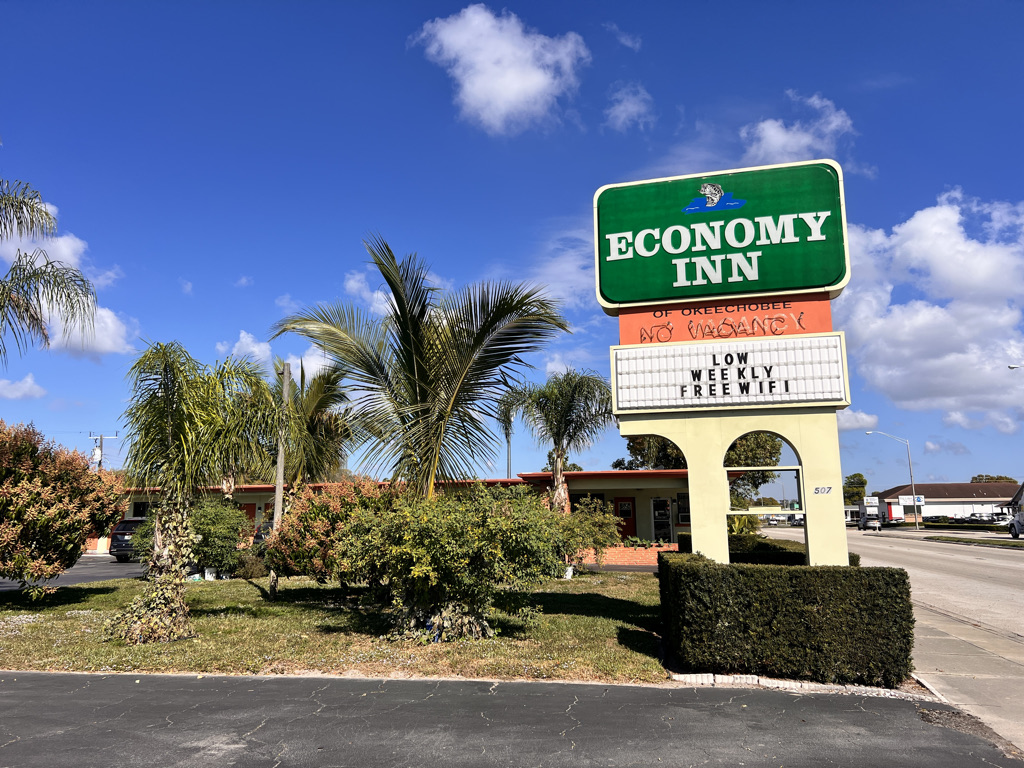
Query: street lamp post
pixel 910 463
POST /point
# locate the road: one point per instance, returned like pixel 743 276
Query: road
pixel 969 638
pixel 974 584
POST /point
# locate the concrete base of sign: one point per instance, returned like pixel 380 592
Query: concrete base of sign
pixel 704 438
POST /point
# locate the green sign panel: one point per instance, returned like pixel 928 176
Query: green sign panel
pixel 748 232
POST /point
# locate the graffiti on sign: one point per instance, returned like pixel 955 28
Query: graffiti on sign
pixel 726 320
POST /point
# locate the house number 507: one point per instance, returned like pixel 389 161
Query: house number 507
pixel 823 489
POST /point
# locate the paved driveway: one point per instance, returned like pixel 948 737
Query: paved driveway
pixel 89 568
pixel 58 720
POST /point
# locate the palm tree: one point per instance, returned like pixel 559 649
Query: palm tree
pixel 318 428
pixel 426 378
pixel 569 411
pixel 189 426
pixel 35 286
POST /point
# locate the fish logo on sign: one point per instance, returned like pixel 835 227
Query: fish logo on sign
pixel 714 199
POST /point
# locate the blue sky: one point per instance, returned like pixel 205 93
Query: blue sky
pixel 216 166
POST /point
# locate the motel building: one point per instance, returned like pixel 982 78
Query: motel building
pixel 653 504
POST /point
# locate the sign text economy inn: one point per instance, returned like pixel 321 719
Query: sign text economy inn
pixel 748 232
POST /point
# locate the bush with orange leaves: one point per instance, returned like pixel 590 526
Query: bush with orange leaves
pixel 314 534
pixel 49 503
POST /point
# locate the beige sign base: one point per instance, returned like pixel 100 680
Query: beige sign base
pixel 704 438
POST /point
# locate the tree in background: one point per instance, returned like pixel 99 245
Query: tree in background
pixel 35 286
pixel 189 426
pixel 854 487
pixel 49 503
pixel 992 479
pixel 569 412
pixel 756 449
pixel 317 426
pixel 426 378
pixel 567 466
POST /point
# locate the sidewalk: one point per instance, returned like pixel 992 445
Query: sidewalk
pixel 981 671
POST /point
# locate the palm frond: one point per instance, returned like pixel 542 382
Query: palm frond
pixel 35 286
pixel 424 380
pixel 23 213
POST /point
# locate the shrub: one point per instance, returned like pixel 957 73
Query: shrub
pixel 250 563
pixel 591 525
pixel 316 530
pixel 831 624
pixel 49 503
pixel 744 524
pixel 219 527
pixel 439 561
pixel 756 549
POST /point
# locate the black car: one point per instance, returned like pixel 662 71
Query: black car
pixel 263 531
pixel 121 540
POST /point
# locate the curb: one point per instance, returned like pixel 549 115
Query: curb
pixel 747 681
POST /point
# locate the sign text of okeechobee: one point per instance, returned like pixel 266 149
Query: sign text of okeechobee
pixel 746 232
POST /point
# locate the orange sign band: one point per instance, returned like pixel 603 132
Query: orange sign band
pixel 726 319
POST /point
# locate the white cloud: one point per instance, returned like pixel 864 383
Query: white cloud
pixel 186 286
pixel 66 249
pixel 850 419
pixel 356 285
pixel 709 148
pixel 631 105
pixel 946 446
pixel 313 360
pixel 564 265
pixel 287 303
pixel 633 42
pixel 246 346
pixel 932 315
pixel 26 389
pixel 109 335
pixel 507 77
pixel 555 364
pixel 104 279
pixel 243 282
pixel 772 141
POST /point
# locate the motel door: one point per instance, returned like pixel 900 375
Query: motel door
pixel 625 510
pixel 661 519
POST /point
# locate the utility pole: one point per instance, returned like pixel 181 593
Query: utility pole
pixel 98 450
pixel 286 380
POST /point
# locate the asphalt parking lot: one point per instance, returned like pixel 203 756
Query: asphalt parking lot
pixel 89 568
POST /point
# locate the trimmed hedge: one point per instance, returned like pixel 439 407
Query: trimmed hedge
pixel 752 548
pixel 830 624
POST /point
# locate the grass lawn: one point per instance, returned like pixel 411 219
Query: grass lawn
pixel 1006 543
pixel 599 627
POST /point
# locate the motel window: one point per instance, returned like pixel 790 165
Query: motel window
pixel 576 498
pixel 682 509
pixel 140 508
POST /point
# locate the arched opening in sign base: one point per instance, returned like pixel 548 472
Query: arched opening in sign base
pixel 763 470
pixel 658 513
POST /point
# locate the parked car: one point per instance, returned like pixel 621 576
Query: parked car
pixel 872 525
pixel 121 540
pixel 263 531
